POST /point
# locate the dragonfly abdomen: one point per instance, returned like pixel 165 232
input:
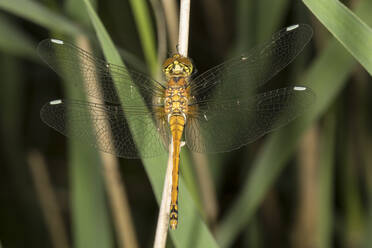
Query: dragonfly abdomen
pixel 176 123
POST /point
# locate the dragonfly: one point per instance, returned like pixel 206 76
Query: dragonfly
pixel 137 116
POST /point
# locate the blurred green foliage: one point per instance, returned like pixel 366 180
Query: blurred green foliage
pixel 275 192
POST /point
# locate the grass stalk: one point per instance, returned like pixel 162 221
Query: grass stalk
pixel 48 200
pixel 325 186
pixel 305 226
pixel 163 219
pixel 146 33
pixel 183 35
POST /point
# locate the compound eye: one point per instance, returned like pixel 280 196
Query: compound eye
pixel 189 69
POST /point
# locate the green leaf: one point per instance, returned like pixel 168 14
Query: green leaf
pixel 90 215
pixel 190 221
pixel 326 76
pixel 349 30
pixel 76 10
pixel 142 17
pixel 37 13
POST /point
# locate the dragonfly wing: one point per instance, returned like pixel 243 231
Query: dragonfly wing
pixel 247 72
pixel 129 136
pixel 96 76
pixel 227 125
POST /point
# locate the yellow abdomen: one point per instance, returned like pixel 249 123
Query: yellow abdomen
pixel 176 106
pixel 177 123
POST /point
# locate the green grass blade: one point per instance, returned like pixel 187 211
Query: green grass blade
pixel 326 77
pixel 142 18
pixel 191 230
pixel 106 43
pixel 76 10
pixel 90 216
pixel 14 40
pixel 37 13
pixel 349 30
pixel 90 213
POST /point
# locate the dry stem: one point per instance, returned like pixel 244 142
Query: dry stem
pixel 183 37
pixel 117 196
pixel 48 200
pixel 163 219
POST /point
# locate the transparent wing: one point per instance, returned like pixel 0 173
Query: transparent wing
pixel 240 76
pixel 227 125
pixel 112 131
pixel 70 61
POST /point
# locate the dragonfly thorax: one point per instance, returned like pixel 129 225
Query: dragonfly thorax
pixel 176 98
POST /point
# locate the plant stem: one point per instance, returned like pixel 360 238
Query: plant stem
pixel 117 196
pixel 183 36
pixel 48 200
pixel 163 219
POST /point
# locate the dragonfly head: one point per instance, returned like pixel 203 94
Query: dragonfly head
pixel 177 66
